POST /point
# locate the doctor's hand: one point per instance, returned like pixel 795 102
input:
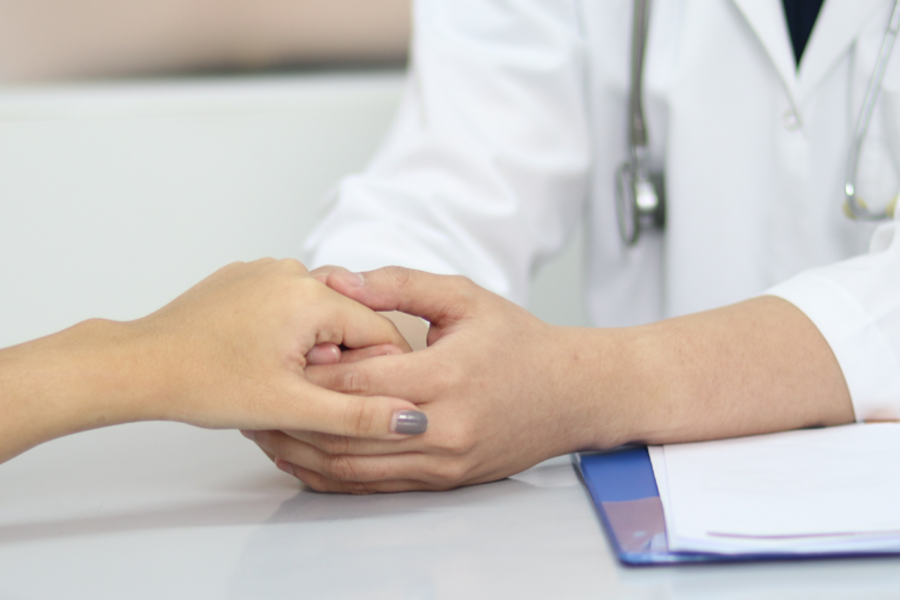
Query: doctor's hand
pixel 231 352
pixel 491 382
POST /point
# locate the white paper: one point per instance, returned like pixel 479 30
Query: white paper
pixel 821 490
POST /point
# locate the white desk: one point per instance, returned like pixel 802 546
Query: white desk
pixel 165 511
pixel 114 200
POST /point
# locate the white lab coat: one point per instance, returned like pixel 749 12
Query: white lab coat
pixel 515 118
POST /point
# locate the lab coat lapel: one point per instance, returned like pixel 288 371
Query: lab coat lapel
pixel 835 31
pixel 766 18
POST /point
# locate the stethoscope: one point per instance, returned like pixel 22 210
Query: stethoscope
pixel 640 194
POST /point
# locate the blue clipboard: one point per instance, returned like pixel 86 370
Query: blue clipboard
pixel 623 488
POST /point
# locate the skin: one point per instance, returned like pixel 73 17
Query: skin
pixel 504 390
pixel 229 353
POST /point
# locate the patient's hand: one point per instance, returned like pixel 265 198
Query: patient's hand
pixel 236 347
pixel 229 352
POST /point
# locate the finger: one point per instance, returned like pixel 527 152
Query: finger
pixel 323 410
pixel 320 274
pixel 284 442
pixel 398 376
pixel 345 321
pixel 320 483
pixel 324 354
pixel 433 470
pixel 436 298
pixel 331 354
pixel 352 356
pixel 251 435
pixel 336 444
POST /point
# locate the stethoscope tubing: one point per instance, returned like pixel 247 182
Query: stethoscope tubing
pixel 855 207
pixel 632 175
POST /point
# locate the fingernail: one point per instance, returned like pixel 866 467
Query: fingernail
pixel 248 434
pixel 356 279
pixel 284 466
pixel 409 422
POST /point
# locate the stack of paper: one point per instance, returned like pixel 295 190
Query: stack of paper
pixel 834 490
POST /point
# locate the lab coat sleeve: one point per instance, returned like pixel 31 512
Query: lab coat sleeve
pixel 484 172
pixel 856 306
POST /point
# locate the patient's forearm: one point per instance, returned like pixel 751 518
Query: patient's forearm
pixel 82 378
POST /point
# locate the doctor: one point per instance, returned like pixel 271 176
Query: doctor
pixel 759 306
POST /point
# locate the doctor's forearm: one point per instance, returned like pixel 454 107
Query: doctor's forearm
pixel 753 367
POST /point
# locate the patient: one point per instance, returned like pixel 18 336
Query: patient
pixel 231 352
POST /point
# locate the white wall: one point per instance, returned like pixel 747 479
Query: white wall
pixel 115 198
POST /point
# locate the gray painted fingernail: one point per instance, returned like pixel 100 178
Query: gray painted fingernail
pixel 409 422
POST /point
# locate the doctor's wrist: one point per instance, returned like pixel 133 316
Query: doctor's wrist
pixel 593 371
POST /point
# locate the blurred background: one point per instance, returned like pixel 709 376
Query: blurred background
pixel 43 40
pixel 146 143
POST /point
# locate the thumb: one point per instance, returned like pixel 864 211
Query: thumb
pixel 439 299
pixel 332 412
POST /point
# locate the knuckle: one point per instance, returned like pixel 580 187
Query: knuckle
pixel 461 281
pixel 450 474
pixel 313 291
pixel 291 265
pixel 340 468
pixel 399 276
pixel 261 267
pixel 332 444
pixel 360 417
pixel 352 381
pixel 459 441
pixel 460 295
pixel 316 482
pixel 360 488
pixel 467 289
pixel 399 279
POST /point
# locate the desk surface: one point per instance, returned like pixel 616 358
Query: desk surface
pixel 159 510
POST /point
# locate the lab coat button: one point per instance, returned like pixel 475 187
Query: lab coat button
pixel 791 120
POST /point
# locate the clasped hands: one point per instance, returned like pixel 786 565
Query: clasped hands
pixel 489 382
pixel 304 365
